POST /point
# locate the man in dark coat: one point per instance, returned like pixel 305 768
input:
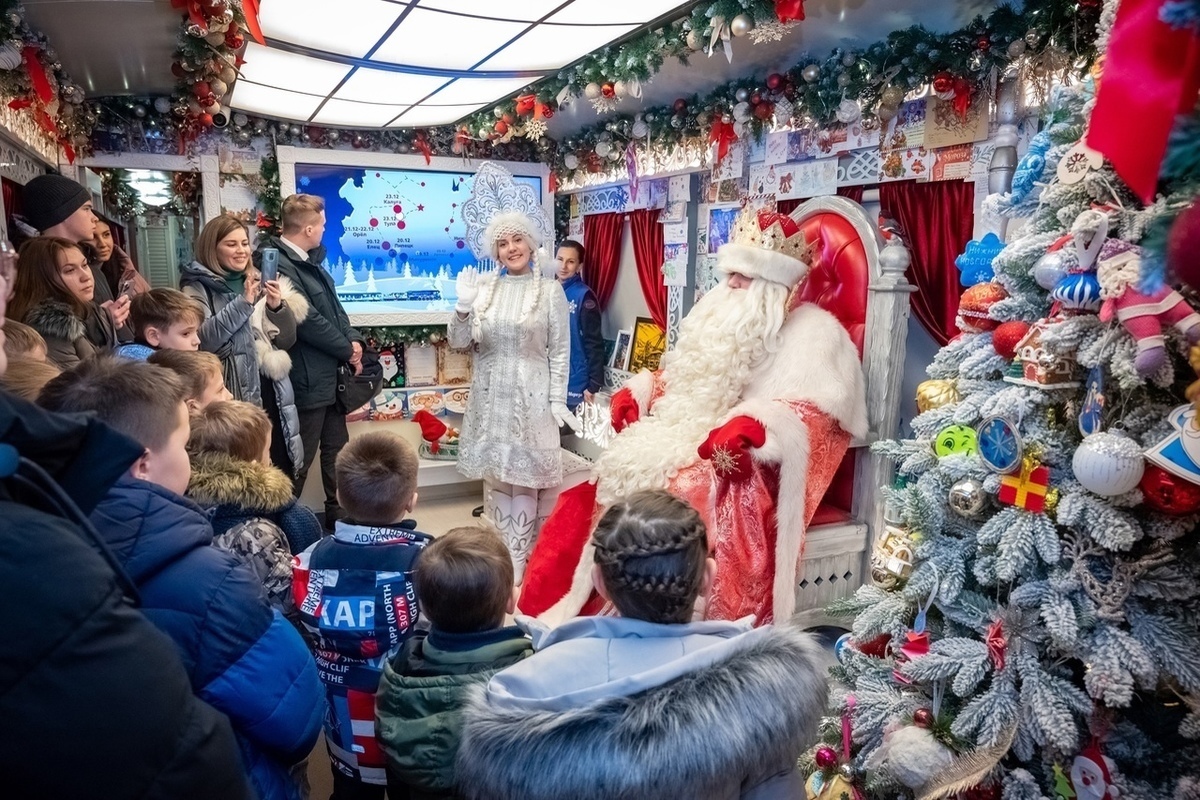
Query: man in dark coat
pixel 324 341
pixel 94 698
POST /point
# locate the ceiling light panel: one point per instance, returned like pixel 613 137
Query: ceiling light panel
pixel 525 10
pixel 478 91
pixel 549 47
pixel 639 12
pixel 424 115
pixel 396 88
pixel 355 115
pixel 445 41
pixel 290 71
pixel 272 102
pixel 351 30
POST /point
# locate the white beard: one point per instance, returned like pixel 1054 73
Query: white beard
pixel 727 335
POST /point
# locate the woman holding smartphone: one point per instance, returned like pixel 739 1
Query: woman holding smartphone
pixel 225 284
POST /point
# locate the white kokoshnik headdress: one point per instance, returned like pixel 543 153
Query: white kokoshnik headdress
pixel 499 207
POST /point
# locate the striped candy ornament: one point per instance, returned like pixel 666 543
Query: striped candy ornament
pixel 1078 291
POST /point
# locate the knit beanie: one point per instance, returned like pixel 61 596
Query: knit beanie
pixel 47 200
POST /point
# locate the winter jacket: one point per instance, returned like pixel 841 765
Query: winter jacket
pixel 612 707
pixel 242 657
pixel 274 335
pixel 355 593
pixel 324 340
pixel 418 709
pixel 226 329
pixel 91 693
pixel 587 342
pixel 69 339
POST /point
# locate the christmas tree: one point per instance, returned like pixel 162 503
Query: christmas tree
pixel 1032 629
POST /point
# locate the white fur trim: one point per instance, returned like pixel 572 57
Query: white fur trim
pixel 787 445
pixel 817 362
pixel 273 362
pixel 754 262
pixel 581 589
pixel 508 222
pixel 641 386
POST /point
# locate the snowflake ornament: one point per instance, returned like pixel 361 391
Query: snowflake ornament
pixel 535 129
pixel 771 31
pixel 604 105
pixel 723 461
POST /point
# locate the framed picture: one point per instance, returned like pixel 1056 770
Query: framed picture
pixel 649 342
pixel 620 359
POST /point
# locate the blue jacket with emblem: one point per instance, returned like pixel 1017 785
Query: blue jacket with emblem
pixel 241 657
pixel 587 341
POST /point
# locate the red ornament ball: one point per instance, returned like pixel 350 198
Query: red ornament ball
pixel 984 44
pixel 1183 246
pixel 764 111
pixel 608 90
pixel 923 717
pixel 974 305
pixel 206 120
pixel 962 87
pixel 1167 493
pixel 234 40
pixel 680 106
pixel 212 8
pixel 826 757
pixel 508 118
pixel 501 127
pixel 1007 335
pixel 201 89
pixel 943 82
pixel 755 98
pixel 774 81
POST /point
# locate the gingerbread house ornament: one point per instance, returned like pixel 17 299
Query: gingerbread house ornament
pixel 1041 368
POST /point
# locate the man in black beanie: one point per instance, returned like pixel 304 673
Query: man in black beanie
pixel 58 206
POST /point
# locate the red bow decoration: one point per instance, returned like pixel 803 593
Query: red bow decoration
pixel 723 135
pixel 542 111
pixel 526 104
pixel 263 222
pixel 553 182
pixel 789 10
pixel 996 644
pixel 250 9
pixel 37 74
pixel 421 142
pixel 962 97
pixel 1151 73
pixel 20 103
pixel 195 15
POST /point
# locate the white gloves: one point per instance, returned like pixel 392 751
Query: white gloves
pixel 466 286
pixel 563 416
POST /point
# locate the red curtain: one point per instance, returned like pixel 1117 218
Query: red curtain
pixel 936 220
pixel 647 234
pixel 602 238
pixel 12 204
pixel 854 193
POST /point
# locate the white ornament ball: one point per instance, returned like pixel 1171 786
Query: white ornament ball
pixel 640 129
pixel 218 86
pixel 570 161
pixel 1108 465
pixel 741 112
pixel 602 149
pixel 811 73
pixel 241 120
pixel 620 89
pixel 1049 270
pixel 741 25
pixel 843 80
pixel 848 112
pixel 162 104
pixel 591 91
pixel 913 756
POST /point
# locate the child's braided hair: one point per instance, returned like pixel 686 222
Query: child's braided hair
pixel 652 548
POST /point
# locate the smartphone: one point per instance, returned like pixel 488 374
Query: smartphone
pixel 127 289
pixel 269 266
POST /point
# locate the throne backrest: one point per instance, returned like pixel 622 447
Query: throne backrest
pixel 841 271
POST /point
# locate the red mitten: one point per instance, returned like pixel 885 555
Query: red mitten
pixel 728 447
pixel 624 409
pixel 432 428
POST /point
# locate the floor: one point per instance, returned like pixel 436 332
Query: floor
pixel 435 517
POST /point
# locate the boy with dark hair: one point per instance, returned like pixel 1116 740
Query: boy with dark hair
pixel 162 319
pixel 355 593
pixel 241 656
pixel 465 582
pixel 200 372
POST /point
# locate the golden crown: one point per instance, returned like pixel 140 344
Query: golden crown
pixel 770 230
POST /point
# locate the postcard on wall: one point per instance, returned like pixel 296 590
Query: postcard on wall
pixel 759 202
pixel 906 129
pixel 720 226
pixel 390 404
pixel 673 211
pixel 944 126
pixel 675 260
pixel 575 228
pixel 913 163
pixel 776 148
pixel 764 178
pixel 456 399
pixel 706 274
pixel 649 342
pixel 421 361
pixel 454 366
pixel 679 188
pixel 952 163
pixel 237 197
pixel 857 137
pixel 431 400
pixel 702 228
pixel 232 160
pixel 732 165
pixel 675 232
pixel 620 359
pixel 756 149
pixel 731 191
pixel 808 179
pixel 802 145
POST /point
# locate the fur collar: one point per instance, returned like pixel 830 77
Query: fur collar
pixel 218 480
pixel 54 319
pixel 707 735
pixel 274 363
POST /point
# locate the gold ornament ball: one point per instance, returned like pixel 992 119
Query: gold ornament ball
pixel 935 394
pixel 741 25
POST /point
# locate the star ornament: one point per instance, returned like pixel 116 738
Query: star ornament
pixel 724 461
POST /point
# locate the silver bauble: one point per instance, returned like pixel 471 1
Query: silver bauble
pixel 693 41
pixel 162 104
pixel 403 147
pixel 139 111
pixel 1108 465
pixel 1033 38
pixel 886 113
pixel 570 161
pixel 843 80
pixel 498 112
pixel 848 59
pixel 967 497
pixel 260 125
pixel 741 112
pixel 892 96
pixel 1017 48
pixel 240 120
pixel 591 91
pixel 848 112
pixel 1049 270
pixel 296 130
pixel 742 95
pixel 332 135
pixel 741 25
pixel 811 73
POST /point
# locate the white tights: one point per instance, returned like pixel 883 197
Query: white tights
pixel 513 510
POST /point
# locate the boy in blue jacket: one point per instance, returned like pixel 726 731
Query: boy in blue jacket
pixel 242 657
pixel 355 593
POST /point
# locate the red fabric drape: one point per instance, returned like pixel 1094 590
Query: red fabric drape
pixel 602 238
pixel 854 193
pixel 12 203
pixel 647 233
pixel 937 220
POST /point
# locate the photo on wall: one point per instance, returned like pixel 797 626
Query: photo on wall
pixel 620 359
pixel 649 342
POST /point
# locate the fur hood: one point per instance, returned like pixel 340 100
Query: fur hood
pixel 218 480
pixel 273 362
pixel 740 712
pixel 54 319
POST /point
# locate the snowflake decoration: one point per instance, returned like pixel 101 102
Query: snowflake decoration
pixel 723 461
pixel 535 129
pixel 604 105
pixel 770 31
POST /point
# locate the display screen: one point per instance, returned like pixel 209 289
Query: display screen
pixel 394 239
